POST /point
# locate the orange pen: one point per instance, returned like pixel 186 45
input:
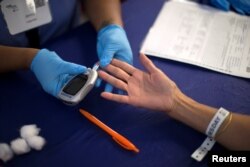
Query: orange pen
pixel 122 141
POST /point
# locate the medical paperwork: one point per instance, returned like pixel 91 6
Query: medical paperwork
pixel 201 35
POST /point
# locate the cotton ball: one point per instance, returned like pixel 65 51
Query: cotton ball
pixel 19 146
pixel 29 130
pixel 36 142
pixel 5 152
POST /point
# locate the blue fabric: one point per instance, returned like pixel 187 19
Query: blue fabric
pixel 72 141
pixel 63 15
pixel 241 6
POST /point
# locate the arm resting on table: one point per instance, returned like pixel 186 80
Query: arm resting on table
pixel 234 134
pixel 154 90
pixel 14 58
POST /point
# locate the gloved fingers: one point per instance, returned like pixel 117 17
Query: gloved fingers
pixel 108 88
pixel 221 4
pixel 66 78
pixel 239 10
pixel 98 82
pixel 124 56
pixel 241 6
pixel 62 80
pixel 247 12
pixel 66 72
pixel 43 57
pixel 121 92
pixel 59 83
pixel 106 56
pixel 111 40
pixel 72 68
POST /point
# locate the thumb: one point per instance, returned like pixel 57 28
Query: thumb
pixel 147 63
pixel 72 68
pixel 106 57
pixel 124 56
pixel 67 72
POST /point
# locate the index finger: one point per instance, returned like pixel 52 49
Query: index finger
pixel 124 66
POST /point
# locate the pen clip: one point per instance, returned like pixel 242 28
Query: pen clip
pixel 124 146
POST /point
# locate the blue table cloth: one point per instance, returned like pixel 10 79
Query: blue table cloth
pixel 73 141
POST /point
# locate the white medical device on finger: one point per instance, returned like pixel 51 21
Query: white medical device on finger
pixel 79 86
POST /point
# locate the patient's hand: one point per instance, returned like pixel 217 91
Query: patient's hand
pixel 151 89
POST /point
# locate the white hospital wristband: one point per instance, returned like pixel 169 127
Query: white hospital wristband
pixel 211 131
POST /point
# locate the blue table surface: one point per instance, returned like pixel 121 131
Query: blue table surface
pixel 73 141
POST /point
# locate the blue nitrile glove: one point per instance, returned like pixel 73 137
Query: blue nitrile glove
pixel 112 43
pixel 52 72
pixel 241 6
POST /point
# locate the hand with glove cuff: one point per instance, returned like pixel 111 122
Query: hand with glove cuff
pixel 112 43
pixel 52 72
pixel 241 6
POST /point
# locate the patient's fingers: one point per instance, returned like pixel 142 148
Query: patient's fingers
pixel 124 66
pixel 112 80
pixel 147 63
pixel 117 72
pixel 115 97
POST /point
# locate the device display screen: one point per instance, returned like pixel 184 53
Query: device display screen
pixel 75 84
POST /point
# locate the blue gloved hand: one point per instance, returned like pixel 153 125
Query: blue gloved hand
pixel 52 72
pixel 241 6
pixel 112 43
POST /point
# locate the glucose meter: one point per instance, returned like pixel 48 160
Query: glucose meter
pixel 79 86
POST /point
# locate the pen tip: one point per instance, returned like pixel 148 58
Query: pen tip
pixel 82 110
pixel 136 150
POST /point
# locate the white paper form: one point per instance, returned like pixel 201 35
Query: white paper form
pixel 202 36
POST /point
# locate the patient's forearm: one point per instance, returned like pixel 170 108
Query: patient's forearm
pixel 236 135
